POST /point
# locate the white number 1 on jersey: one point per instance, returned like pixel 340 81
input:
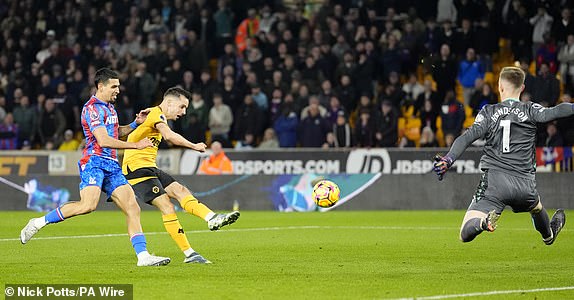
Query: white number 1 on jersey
pixel 505 135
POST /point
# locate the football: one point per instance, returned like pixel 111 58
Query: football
pixel 326 193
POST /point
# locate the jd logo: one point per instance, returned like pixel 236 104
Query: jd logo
pixel 369 161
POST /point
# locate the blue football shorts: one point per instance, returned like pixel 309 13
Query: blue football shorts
pixel 102 172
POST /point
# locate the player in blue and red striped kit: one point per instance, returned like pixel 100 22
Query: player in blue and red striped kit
pixel 100 170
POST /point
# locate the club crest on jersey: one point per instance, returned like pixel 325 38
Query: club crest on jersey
pixel 93 115
pixel 479 118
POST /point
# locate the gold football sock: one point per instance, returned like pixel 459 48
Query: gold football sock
pixel 175 230
pixel 192 206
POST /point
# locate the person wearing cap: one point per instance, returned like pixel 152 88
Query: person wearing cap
pixel 69 144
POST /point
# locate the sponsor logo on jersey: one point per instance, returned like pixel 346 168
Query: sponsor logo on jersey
pixel 111 120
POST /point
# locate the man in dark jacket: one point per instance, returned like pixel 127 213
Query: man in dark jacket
pixel 387 132
pixel 313 129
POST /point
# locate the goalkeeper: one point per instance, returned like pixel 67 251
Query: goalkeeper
pixel 508 160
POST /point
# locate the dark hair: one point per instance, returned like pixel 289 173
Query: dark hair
pixel 177 91
pixel 103 75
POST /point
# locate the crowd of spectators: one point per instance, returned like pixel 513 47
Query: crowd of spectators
pixel 271 74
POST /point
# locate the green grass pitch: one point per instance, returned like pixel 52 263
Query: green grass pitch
pixel 272 255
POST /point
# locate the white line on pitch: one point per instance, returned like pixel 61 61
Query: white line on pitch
pixel 253 229
pixel 490 293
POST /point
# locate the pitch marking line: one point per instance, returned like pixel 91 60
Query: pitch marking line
pixel 479 294
pixel 253 229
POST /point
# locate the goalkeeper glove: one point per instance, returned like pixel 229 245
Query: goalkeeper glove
pixel 441 165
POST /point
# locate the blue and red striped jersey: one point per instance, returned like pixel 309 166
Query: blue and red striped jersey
pixel 97 113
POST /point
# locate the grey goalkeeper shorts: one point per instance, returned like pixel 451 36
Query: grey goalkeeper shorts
pixel 498 189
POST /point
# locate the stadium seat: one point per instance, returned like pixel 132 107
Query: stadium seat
pixel 469 118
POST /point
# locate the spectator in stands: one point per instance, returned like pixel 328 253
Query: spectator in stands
pixel 548 53
pixel 247 31
pixel 326 93
pixel 269 141
pixel 333 110
pixel 25 116
pixel 8 133
pixel 140 87
pixel 566 125
pixel 342 131
pixel 330 141
pixel 464 37
pixel 546 88
pixel 428 95
pixel 364 70
pixel 223 18
pixel 313 129
pixel 193 124
pixel 444 71
pixel 207 86
pixel 248 119
pixel 220 120
pixel 428 116
pixel 69 106
pixel 365 129
pixel 566 59
pixel 481 97
pixel 286 127
pixel 313 101
pixel 259 97
pixel 347 93
pixel 386 133
pixel 392 94
pixel 520 31
pixel 199 108
pixel 552 138
pixel 446 11
pixel 69 143
pixel 275 105
pixel 469 71
pixel 217 163
pixel 563 27
pixel 196 57
pixel 541 23
pixel 230 93
pixel 246 143
pixel 428 138
pixel 452 115
pixel 412 88
pixel 172 75
pixel 51 123
pixel 346 66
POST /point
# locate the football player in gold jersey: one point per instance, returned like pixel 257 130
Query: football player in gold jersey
pixel 156 187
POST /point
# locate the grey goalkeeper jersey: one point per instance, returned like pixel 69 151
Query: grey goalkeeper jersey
pixel 509 129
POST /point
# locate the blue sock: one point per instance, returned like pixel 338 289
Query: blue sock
pixel 139 242
pixel 54 216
